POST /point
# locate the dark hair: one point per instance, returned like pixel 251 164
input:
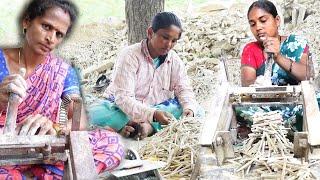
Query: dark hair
pixel 266 5
pixel 164 20
pixel 38 8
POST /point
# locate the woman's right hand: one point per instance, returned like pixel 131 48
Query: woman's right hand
pixel 36 125
pixel 13 83
pixel 272 45
pixel 162 117
pixel 262 81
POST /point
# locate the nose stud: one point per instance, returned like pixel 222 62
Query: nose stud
pixel 48 38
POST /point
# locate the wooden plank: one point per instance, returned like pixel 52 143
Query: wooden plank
pixel 299 148
pixel 32 159
pixel 218 114
pixel 67 173
pixel 311 116
pixel 215 117
pixel 30 141
pixel 77 110
pixel 81 156
pixel 99 69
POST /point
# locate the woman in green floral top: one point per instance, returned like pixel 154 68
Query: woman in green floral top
pixel 290 52
pixel 290 55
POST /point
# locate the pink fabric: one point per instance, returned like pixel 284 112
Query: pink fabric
pixel 107 149
pixel 45 87
pixel 40 172
pixel 137 83
pixel 53 70
pixel 43 97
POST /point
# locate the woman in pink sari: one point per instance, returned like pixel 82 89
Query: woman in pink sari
pixel 45 24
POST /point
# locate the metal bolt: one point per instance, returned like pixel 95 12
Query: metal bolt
pixel 219 141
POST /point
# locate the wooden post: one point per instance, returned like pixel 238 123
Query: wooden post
pixel 300 145
pixel 220 114
pixel 311 113
pixel 83 167
pixel 77 109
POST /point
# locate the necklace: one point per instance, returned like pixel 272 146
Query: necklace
pixel 19 61
pixel 22 70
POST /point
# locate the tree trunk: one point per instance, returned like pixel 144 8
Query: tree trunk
pixel 139 14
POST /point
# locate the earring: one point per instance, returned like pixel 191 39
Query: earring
pixel 24 31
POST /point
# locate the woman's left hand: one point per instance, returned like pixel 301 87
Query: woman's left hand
pixel 36 125
pixel 272 45
pixel 188 113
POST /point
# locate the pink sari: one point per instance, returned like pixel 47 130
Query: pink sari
pixel 46 85
pixel 44 92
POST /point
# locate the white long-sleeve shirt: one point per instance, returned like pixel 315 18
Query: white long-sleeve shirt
pixel 137 84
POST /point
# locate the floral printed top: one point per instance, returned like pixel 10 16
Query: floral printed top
pixel 292 48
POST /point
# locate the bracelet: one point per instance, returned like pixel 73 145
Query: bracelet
pixel 290 68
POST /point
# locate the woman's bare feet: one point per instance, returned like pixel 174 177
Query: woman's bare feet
pixel 137 130
pixel 131 129
pixel 127 130
pixel 145 130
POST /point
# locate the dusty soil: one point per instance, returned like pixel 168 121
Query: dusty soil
pixel 214 32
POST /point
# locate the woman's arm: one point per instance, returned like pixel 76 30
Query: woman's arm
pixel 248 75
pixel 13 83
pixel 296 69
pixel 71 88
pixel 182 88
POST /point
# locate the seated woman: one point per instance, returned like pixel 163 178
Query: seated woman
pixel 149 83
pixel 45 25
pixel 290 54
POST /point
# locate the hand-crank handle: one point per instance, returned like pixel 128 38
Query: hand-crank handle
pixel 12 110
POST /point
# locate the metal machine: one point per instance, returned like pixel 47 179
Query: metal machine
pixel 219 130
pixel 73 149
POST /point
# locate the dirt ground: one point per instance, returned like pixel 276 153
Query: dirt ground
pixel 212 33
